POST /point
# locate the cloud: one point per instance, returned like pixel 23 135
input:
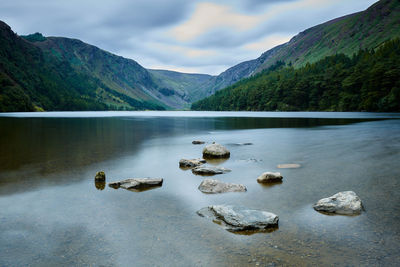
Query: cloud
pixel 268 42
pixel 208 16
pixel 206 36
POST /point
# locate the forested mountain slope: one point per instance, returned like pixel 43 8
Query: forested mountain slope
pixel 367 81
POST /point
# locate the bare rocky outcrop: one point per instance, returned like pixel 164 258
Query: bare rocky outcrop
pixel 345 203
pixel 211 186
pixel 239 218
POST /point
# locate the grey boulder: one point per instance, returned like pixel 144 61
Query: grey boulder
pixel 216 151
pixel 212 186
pixel 209 170
pixel 137 183
pixel 239 218
pixel 270 177
pixel 191 163
pixel 345 203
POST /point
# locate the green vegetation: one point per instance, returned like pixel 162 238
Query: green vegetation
pixel 369 80
pixel 363 30
pixel 33 80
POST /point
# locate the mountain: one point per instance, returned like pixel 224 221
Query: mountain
pixel 367 81
pixel 125 76
pixel 363 30
pixel 56 73
pixel 180 86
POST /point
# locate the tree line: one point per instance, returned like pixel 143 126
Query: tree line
pixel 367 81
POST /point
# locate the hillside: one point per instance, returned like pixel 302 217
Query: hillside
pixel 368 81
pixel 362 30
pixel 123 75
pixel 180 86
pixel 348 34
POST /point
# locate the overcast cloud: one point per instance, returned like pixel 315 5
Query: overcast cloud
pixel 188 36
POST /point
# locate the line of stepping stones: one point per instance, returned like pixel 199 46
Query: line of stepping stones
pixel 231 217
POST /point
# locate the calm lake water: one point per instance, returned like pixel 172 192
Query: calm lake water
pixel 52 213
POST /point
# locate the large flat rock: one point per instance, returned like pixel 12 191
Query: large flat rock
pixel 211 186
pixel 208 171
pixel 137 183
pixel 346 203
pixel 239 218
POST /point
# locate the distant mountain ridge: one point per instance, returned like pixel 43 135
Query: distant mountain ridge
pixel 362 30
pixel 57 73
pixel 124 75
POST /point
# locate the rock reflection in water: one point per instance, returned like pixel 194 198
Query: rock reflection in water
pixel 100 185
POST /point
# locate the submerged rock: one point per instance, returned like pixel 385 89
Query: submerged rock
pixel 137 183
pixel 239 218
pixel 100 176
pixel 216 151
pixel 197 142
pixel 270 177
pixel 209 170
pixel 289 166
pixel 243 144
pixel 345 203
pixel 191 163
pixel 211 186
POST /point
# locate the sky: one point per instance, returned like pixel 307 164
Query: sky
pixel 187 36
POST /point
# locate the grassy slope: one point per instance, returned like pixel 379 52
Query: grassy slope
pixel 31 79
pixel 348 34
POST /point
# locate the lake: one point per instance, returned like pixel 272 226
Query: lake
pixel 53 213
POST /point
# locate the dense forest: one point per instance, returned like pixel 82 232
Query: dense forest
pixel 367 81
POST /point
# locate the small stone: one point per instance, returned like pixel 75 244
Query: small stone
pixel 211 186
pixel 100 176
pixel 216 151
pixel 198 142
pixel 270 177
pixel 345 203
pixel 191 163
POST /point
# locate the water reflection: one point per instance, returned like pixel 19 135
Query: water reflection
pixel 100 185
pixel 51 214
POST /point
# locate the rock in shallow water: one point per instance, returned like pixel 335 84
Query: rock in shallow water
pixel 289 166
pixel 209 170
pixel 191 163
pixel 270 177
pixel 197 142
pixel 345 203
pixel 216 151
pixel 137 183
pixel 212 186
pixel 100 176
pixel 239 218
